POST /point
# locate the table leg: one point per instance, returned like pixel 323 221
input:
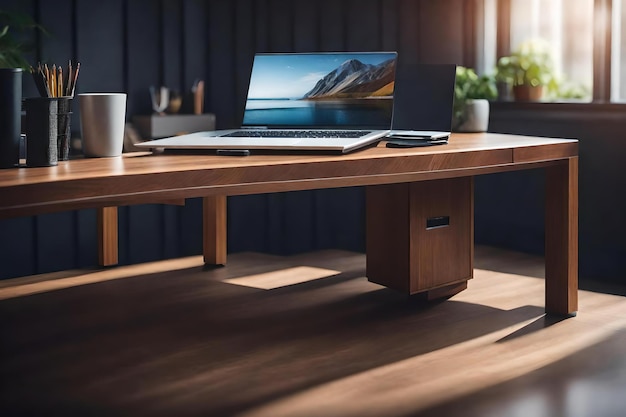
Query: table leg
pixel 107 236
pixel 562 238
pixel 214 229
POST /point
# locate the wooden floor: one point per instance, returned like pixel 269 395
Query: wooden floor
pixel 304 336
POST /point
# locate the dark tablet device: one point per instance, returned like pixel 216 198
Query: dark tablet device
pixel 414 143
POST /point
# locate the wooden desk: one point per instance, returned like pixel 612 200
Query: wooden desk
pixel 143 178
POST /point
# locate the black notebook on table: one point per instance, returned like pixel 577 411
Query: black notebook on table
pixel 423 104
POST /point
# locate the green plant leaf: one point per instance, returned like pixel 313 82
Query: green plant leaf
pixel 12 51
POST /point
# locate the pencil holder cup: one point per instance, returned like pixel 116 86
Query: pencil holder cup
pixel 64 113
pixel 41 131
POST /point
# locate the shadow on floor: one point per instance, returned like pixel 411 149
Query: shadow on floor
pixel 186 343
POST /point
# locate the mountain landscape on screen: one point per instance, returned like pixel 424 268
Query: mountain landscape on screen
pixel 354 79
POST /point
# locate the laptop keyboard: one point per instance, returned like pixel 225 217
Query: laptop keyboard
pixel 298 133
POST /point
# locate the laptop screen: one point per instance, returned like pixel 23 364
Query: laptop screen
pixel 321 90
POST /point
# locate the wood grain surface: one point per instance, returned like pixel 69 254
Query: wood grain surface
pixel 143 177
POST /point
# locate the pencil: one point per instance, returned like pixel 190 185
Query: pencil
pixel 60 89
pixel 54 80
pixel 44 82
pixel 68 86
pixel 75 78
pixel 48 83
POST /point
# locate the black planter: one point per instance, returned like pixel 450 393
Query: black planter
pixel 10 116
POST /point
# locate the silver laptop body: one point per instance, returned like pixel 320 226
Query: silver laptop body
pixel 307 101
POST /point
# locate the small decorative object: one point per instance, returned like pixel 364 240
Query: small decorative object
pixel 160 99
pixel 471 105
pixel 197 90
pixel 176 101
pixel 528 71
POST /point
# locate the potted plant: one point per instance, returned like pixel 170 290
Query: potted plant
pixel 528 70
pixel 471 100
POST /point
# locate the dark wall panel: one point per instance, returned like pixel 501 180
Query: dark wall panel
pixel 363 25
pixel 222 92
pixel 441 40
pixel 56 17
pixel 389 22
pixel 306 30
pixel 512 203
pixel 142 228
pixel 332 25
pixel 100 45
pixel 195 32
pixel 85 235
pixel 280 26
pixel 143 53
pixel 409 31
pixel 18 247
pixel 171 40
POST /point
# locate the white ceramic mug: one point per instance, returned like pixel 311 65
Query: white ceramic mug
pixel 102 119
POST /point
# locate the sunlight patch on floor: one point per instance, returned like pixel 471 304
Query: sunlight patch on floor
pixel 282 277
pixel 20 287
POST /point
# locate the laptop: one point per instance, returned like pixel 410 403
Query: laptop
pixel 423 102
pixel 336 102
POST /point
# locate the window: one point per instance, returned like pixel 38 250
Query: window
pixel 583 39
pixel 567 28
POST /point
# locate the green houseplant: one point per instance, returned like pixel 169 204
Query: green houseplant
pixel 529 70
pixel 471 105
pixel 12 48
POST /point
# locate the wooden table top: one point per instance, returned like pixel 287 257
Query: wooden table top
pixel 143 177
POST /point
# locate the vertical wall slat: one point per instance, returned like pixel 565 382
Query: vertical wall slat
pixel 433 35
pixel 171 21
pixel 55 242
pixel 245 213
pixel 144 222
pixel 389 24
pixel 195 41
pixel 280 26
pixel 409 32
pixel 100 44
pixel 100 51
pixel 56 17
pixel 17 248
pixel 171 59
pixel 221 44
pixel 244 43
pixel 87 246
pixel 362 25
pixel 306 30
pixel 143 54
pixel 331 25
